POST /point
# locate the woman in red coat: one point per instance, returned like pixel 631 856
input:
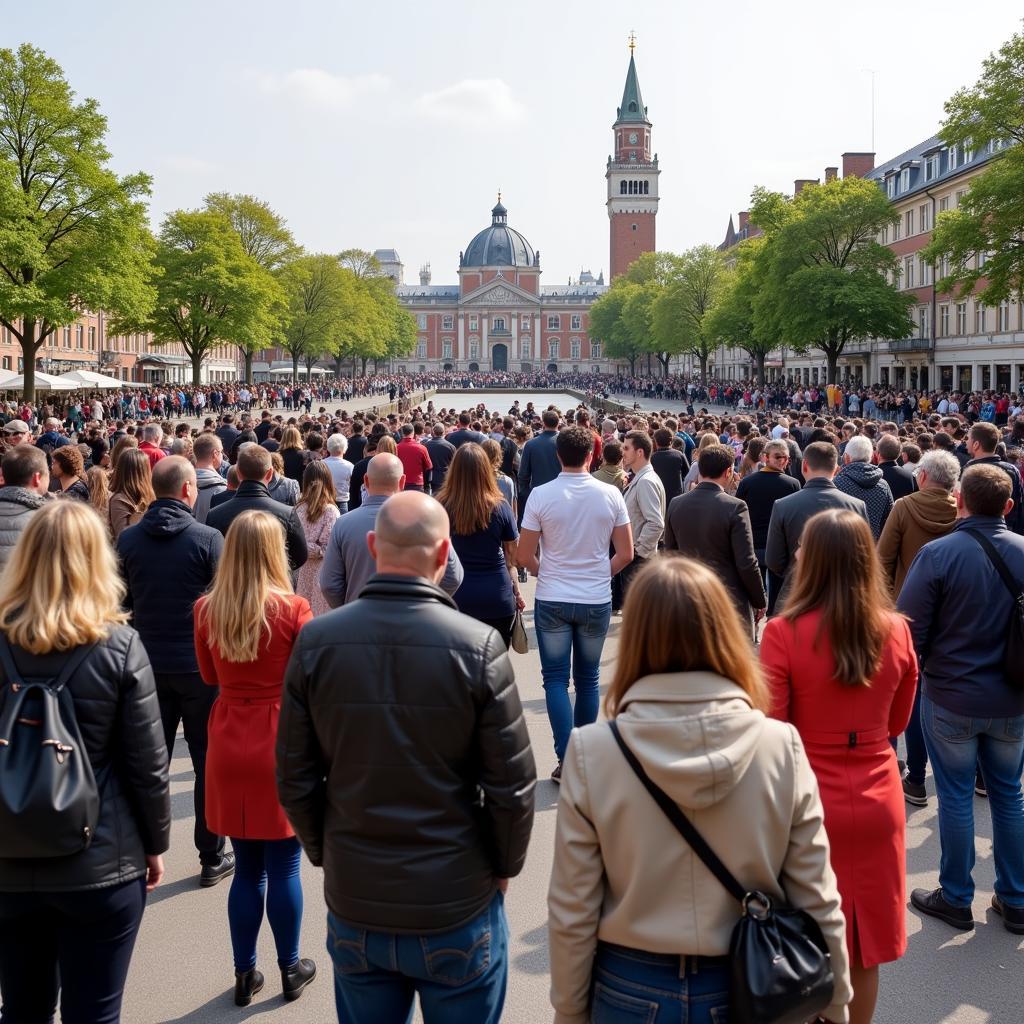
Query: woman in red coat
pixel 842 669
pixel 245 629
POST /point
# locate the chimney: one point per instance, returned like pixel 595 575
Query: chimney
pixel 425 274
pixel 801 183
pixel 744 219
pixel 856 165
pixel 831 173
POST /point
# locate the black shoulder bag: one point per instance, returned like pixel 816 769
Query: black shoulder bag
pixel 1013 658
pixel 781 972
pixel 49 800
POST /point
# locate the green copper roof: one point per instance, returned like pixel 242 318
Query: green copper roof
pixel 632 108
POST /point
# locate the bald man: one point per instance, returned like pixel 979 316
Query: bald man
pixel 168 560
pixel 348 563
pixel 410 712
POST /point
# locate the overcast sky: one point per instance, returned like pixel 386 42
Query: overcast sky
pixel 392 124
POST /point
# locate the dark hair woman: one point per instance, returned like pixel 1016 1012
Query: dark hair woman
pixel 842 669
pixel 131 490
pixel 484 536
pixel 69 472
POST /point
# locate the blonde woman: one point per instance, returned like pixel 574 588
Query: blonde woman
pixel 635 917
pixel 244 632
pixel 318 512
pixel 97 479
pixel 75 917
pixel 293 453
pixel 131 490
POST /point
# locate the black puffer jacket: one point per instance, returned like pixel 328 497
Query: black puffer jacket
pixel 119 719
pixel 403 759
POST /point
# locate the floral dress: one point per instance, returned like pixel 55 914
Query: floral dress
pixel 317 536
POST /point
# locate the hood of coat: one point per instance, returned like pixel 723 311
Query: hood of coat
pixel 208 478
pixel 694 732
pixel 932 511
pixel 167 517
pixel 22 497
pixel 863 474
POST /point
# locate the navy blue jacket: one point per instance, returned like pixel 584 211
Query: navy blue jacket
pixel 1015 520
pixel 538 464
pixel 959 609
pixel 168 561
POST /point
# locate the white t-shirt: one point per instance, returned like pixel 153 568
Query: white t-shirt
pixel 575 516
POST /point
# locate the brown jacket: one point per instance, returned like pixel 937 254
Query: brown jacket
pixel 914 521
pixel 622 873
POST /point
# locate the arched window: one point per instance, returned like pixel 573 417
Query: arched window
pixel 646 187
pixel 622 188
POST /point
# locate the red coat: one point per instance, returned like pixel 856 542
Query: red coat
pixel 241 791
pixel 860 785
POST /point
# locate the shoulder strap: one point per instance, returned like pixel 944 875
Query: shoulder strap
pixel 681 822
pixel 78 655
pixel 997 563
pixel 7 661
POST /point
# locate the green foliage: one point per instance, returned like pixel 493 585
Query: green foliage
pixel 608 326
pixel 209 290
pixel 314 287
pixel 824 279
pixel 73 235
pixel 989 221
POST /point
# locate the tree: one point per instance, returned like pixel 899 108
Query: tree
pixel 825 282
pixel 680 312
pixel 208 290
pixel 989 220
pixel 265 238
pixel 314 287
pixel 607 326
pixel 73 235
pixel 360 262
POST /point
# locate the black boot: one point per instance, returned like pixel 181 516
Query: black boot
pixel 247 984
pixel 295 978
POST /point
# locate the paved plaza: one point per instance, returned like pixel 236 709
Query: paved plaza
pixel 182 973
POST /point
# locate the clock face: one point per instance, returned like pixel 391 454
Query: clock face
pixel 633 138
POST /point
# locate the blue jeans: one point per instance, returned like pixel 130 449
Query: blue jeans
pixel 956 743
pixel 270 868
pixel 917 753
pixel 630 987
pixel 461 975
pixel 570 638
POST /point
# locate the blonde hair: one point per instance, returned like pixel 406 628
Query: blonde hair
pixel 249 587
pixel 61 588
pixel 678 617
pixel 99 489
pixel 317 490
pixel 291 438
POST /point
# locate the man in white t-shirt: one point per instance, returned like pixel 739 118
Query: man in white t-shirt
pixel 578 518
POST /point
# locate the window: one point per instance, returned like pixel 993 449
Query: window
pixel 474 348
pixel 908 222
pixel 890 186
pixel 448 322
pixel 421 349
pixel 498 324
pixel 922 321
pixel 92 338
pixel 524 323
pixel 961 318
pixel 623 185
pixel 905 179
pixel 576 322
pixel 67 337
pixel 951 158
pixel 924 271
pixel 931 167
pixel 896 231
pixel 421 321
pixel 982 259
pixel 79 336
pixel 554 323
pixel 945 266
pixel 924 213
pixel 885 235
pixel 446 348
pixel 574 348
pixel 552 348
pixel 908 271
pixel 1004 316
pixel 968 151
pixel 7 362
pixel 634 227
pixel 524 348
pixel 943 204
pixel 979 319
pixel 473 323
pixel 944 320
pixel 960 196
pixel 595 350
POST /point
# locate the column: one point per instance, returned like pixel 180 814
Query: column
pixel 1014 377
pixel 513 345
pixel 975 376
pixel 536 335
pixel 460 352
pixel 992 375
pixel 484 353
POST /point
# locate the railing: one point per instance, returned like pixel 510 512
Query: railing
pixel 912 345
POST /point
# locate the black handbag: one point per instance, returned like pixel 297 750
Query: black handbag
pixel 780 968
pixel 49 800
pixel 1013 658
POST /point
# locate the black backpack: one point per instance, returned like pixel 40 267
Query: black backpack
pixel 49 800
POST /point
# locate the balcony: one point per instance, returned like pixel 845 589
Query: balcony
pixel 912 345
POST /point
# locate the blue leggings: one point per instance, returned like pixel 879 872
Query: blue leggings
pixel 265 867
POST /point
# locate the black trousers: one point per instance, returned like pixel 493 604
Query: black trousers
pixel 75 944
pixel 185 699
pixel 503 626
pixel 620 582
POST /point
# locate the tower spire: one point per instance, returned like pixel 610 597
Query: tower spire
pixel 632 109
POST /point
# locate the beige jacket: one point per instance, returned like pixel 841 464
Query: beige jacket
pixel 623 874
pixel 645 503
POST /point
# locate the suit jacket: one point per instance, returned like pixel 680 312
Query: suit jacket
pixel 899 478
pixel 539 463
pixel 789 515
pixel 714 527
pixel 252 495
pixel 645 503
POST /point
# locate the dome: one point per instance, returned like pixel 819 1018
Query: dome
pixel 499 245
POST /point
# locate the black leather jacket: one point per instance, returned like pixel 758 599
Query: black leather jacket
pixel 253 495
pixel 119 719
pixel 403 760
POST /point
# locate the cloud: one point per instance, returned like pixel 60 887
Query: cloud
pixel 314 87
pixel 473 101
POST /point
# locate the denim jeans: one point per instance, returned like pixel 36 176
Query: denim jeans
pixel 570 638
pixel 917 753
pixel 956 743
pixel 630 987
pixel 461 975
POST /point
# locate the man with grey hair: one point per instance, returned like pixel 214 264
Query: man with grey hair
pixel 410 780
pixel 348 564
pixel 917 519
pixel 860 479
pixel 152 436
pixel 340 467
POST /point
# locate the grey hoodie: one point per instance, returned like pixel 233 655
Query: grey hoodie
pixel 865 481
pixel 208 482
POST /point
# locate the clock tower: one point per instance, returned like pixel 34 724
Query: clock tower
pixel 632 176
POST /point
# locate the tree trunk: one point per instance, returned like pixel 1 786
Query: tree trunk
pixel 197 368
pixel 365 360
pixel 632 366
pixel 704 370
pixel 248 366
pixel 295 367
pixel 28 358
pixel 664 360
pixel 760 357
pixel 337 366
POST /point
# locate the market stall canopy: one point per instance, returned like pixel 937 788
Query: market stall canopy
pixel 6 375
pixel 92 379
pixel 44 382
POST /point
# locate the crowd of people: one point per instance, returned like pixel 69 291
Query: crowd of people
pixel 324 604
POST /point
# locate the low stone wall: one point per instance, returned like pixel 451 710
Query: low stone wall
pixel 400 405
